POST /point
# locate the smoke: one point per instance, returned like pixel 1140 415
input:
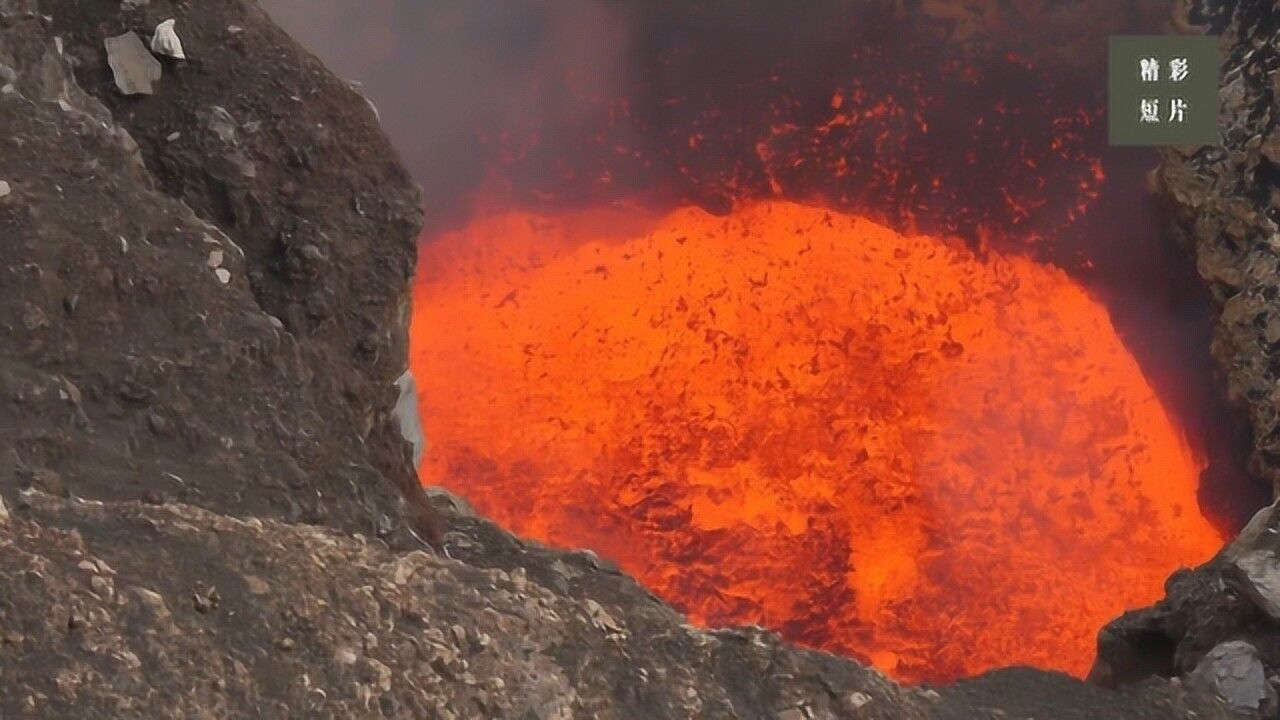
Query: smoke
pixel 966 117
pixel 452 78
pixel 351 37
pixel 584 101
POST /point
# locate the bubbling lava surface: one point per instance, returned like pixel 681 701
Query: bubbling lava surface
pixel 888 446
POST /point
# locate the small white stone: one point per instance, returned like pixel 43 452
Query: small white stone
pixel 224 275
pixel 5 189
pixel 166 42
pixel 215 259
pixel 173 136
pixel 124 245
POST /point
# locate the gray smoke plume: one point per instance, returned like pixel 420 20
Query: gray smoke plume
pixel 590 101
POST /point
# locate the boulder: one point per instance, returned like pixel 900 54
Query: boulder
pixel 1233 671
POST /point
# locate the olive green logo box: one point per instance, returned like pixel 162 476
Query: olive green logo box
pixel 1163 90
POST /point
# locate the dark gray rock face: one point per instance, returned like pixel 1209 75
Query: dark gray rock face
pixel 209 283
pixel 201 318
pixel 1227 203
pixel 1234 673
pixel 1230 599
pixel 1256 574
pixel 127 610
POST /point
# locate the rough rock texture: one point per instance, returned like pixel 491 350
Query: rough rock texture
pixel 1227 201
pixel 219 316
pixel 1227 600
pixel 202 296
pixel 134 611
pixel 1233 671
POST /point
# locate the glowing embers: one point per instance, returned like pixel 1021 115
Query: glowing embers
pixel 878 445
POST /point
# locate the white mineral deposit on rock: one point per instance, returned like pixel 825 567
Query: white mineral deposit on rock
pixel 406 413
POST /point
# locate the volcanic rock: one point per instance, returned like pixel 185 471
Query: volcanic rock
pixel 298 425
pixel 1257 576
pixel 133 68
pixel 166 41
pixel 1234 672
pixel 349 628
pixel 1227 204
pixel 1229 598
pixel 252 554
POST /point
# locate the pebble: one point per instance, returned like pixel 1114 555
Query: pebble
pixel 165 41
pixel 5 189
pixel 224 275
pixel 101 586
pixel 377 674
pixel 205 599
pixel 345 656
pixel 135 70
pixel 150 599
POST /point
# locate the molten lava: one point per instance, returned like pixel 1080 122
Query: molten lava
pixel 892 447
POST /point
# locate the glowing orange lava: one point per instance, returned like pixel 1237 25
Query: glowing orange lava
pixel 879 445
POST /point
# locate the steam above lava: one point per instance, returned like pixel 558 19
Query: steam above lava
pixel 781 305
